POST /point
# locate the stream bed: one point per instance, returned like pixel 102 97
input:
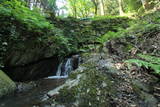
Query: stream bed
pixel 32 97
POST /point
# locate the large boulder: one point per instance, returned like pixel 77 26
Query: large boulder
pixel 97 83
pixel 33 70
pixel 6 84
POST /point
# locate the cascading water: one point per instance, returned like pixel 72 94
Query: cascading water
pixel 59 70
pixel 66 67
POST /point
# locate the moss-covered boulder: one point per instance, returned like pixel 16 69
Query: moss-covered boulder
pixel 6 84
pixel 91 85
pixel 97 83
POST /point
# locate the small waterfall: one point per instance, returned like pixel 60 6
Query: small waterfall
pixel 59 70
pixel 66 67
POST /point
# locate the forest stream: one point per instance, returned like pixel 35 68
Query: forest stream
pixel 79 53
pixel 33 93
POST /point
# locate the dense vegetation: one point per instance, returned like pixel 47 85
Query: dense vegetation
pixel 117 39
pixel 21 26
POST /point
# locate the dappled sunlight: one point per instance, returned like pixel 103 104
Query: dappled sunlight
pixel 119 65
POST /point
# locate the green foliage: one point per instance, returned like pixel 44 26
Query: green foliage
pixel 81 8
pixel 138 27
pixel 111 7
pixel 60 45
pixel 132 5
pixel 18 11
pixel 108 17
pixel 110 35
pixel 152 59
pixel 147 61
pixel 152 17
pixel 22 28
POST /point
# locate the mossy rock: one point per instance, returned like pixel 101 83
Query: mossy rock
pixel 6 84
pixel 95 89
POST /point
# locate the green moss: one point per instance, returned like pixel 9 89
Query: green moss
pixel 128 48
pixel 67 95
pixel 95 89
pixel 74 75
pixel 6 84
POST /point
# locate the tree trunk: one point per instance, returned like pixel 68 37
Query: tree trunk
pixel 146 4
pixel 120 7
pixel 101 7
pixel 96 6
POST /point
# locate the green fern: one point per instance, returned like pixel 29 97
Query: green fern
pixel 152 59
pixel 147 62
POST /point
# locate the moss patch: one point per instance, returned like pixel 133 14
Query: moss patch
pixel 6 84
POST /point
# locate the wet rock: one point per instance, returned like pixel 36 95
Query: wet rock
pixel 76 60
pixel 22 87
pixel 69 83
pixel 6 84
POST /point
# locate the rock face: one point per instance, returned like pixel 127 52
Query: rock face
pixel 34 70
pixel 6 84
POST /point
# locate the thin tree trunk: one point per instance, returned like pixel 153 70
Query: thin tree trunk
pixel 75 12
pixel 146 5
pixel 96 6
pixel 120 7
pixel 143 3
pixel 101 7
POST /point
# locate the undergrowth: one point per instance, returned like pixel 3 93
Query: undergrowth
pixel 137 27
pixel 147 61
pixel 23 29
